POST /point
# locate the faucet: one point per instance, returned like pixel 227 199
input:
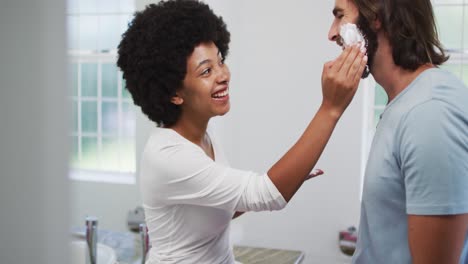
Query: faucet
pixel 91 239
pixel 144 241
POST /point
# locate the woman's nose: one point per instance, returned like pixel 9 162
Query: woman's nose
pixel 223 73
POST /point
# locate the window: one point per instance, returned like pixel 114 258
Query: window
pixel 375 100
pixel 452 25
pixel 103 122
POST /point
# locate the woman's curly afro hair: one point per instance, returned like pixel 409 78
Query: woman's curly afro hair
pixel 153 52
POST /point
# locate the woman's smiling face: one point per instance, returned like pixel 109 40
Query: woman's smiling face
pixel 205 91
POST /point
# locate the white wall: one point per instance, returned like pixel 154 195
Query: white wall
pixel 277 52
pixel 34 225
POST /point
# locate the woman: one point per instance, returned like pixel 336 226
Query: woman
pixel 172 58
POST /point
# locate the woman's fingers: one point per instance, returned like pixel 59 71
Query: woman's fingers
pixel 314 173
pixel 360 69
pixel 346 66
pixel 350 60
pixel 339 86
pixel 338 63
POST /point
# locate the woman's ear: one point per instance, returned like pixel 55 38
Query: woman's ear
pixel 177 100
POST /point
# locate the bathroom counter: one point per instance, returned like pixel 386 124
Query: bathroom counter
pixel 127 246
pixel 254 255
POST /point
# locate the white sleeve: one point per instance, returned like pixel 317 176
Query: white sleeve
pixel 183 174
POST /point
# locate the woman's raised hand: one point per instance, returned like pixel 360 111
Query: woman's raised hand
pixel 340 79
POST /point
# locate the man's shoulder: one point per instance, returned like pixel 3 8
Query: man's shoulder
pixel 442 82
pixel 435 86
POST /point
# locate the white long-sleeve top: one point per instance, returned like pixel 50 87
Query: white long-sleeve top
pixel 189 199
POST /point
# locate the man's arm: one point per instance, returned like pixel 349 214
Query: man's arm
pixel 437 239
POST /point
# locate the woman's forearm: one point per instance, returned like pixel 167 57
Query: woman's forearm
pixel 291 170
pixel 340 79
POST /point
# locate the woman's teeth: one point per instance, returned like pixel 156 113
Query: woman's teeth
pixel 221 94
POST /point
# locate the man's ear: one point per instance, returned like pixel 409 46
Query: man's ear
pixel 177 100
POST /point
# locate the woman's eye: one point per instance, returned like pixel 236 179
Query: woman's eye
pixel 206 71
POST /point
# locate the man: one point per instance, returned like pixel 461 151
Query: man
pixel 415 199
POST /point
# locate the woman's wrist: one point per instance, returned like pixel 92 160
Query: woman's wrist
pixel 332 112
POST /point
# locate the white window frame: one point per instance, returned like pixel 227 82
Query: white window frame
pixel 99 57
pixel 368 131
pixel 99 175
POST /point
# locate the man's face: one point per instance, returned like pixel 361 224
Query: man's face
pixel 346 11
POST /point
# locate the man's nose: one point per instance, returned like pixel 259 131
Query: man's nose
pixel 333 32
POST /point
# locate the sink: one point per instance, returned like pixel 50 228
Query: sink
pixel 105 254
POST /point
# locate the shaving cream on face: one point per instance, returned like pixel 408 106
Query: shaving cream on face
pixel 352 35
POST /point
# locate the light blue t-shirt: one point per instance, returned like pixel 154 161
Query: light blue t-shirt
pixel 418 164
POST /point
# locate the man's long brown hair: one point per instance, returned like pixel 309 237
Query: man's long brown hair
pixel 410 27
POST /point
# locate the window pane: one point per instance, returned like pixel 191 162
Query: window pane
pixel 123 23
pixel 128 118
pixel 128 155
pixel 108 6
pixel 454 68
pixel 74 118
pixel 72 6
pixel 110 154
pixel 465 73
pixel 74 154
pixel 110 32
pixel 125 93
pixel 73 32
pixel 381 98
pixel 89 117
pixel 110 118
pixel 88 32
pixel 449 24
pixel 73 78
pixel 438 2
pixel 465 28
pixel 88 6
pixel 127 6
pixel 90 153
pixel 109 80
pixel 89 79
